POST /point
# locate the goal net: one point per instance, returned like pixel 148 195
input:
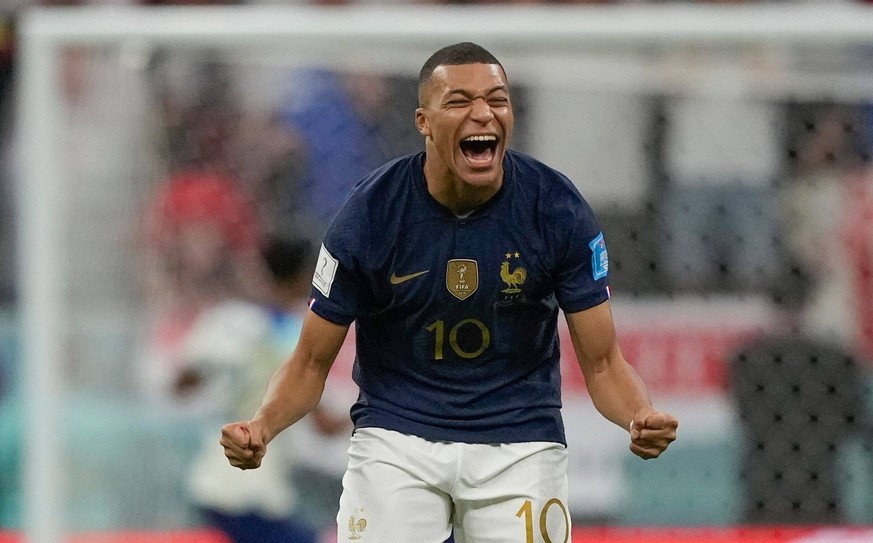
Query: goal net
pixel 725 150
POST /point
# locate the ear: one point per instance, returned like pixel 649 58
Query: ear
pixel 421 122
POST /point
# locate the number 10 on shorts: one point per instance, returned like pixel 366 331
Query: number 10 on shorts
pixel 527 514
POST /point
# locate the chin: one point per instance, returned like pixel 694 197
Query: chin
pixel 482 179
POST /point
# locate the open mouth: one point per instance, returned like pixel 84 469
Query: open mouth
pixel 479 149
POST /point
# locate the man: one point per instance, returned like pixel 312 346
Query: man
pixel 453 264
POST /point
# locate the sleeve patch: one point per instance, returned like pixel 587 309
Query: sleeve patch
pixel 325 271
pixel 599 257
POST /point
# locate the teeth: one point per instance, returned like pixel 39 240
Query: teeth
pixel 481 138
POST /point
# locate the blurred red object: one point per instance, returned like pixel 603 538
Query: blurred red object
pixel 194 197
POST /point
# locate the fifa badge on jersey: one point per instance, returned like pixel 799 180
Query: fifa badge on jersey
pixel 599 257
pixel 462 277
pixel 325 270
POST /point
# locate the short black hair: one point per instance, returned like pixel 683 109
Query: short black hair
pixel 454 55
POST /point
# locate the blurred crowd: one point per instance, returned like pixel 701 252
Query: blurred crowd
pixel 232 187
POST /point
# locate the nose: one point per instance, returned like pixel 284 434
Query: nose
pixel 481 111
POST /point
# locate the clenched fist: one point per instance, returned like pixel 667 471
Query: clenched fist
pixel 651 432
pixel 243 444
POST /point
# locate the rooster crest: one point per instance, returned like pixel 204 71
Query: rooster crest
pixel 356 526
pixel 513 279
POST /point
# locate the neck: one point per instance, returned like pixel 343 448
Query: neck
pixel 458 196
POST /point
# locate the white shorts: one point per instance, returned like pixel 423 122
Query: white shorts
pixel 404 489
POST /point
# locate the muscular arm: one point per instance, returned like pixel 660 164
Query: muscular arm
pixel 293 391
pixel 615 387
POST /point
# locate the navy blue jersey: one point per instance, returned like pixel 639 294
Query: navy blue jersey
pixel 456 318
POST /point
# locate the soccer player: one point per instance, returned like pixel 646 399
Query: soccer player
pixel 453 264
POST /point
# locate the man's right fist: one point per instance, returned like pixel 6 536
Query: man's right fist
pixel 243 444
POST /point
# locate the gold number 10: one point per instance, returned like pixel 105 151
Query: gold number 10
pixel 439 330
pixel 527 512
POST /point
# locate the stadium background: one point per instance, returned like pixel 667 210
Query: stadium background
pixel 725 147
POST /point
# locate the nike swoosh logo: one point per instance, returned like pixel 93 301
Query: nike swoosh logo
pixel 397 279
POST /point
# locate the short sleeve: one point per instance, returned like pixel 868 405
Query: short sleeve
pixel 582 271
pixel 340 288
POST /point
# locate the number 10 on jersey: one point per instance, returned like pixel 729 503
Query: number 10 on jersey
pixel 439 330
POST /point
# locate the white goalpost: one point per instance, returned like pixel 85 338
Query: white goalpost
pixel 807 51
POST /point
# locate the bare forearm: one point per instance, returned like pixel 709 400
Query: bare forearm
pixel 618 392
pixel 293 391
pixel 615 387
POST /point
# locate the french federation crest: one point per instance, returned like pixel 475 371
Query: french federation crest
pixel 462 277
pixel 513 278
pixel 357 525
